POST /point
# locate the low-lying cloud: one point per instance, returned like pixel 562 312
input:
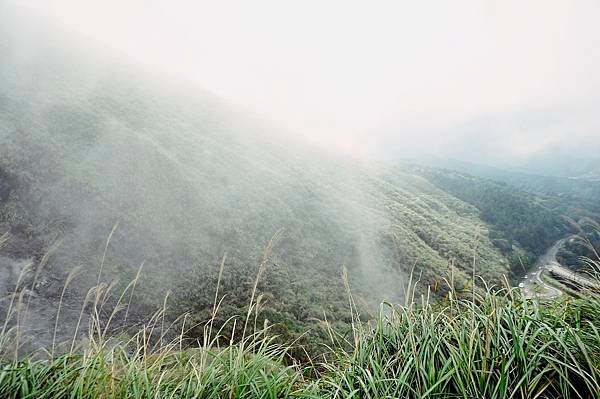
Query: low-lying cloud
pixel 507 79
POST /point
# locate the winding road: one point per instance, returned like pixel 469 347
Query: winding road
pixel 532 285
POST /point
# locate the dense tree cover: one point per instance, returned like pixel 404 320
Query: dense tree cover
pixel 517 218
pixel 577 252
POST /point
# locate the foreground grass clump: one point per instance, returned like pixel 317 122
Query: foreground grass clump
pixel 494 347
pixel 256 371
pixel 490 346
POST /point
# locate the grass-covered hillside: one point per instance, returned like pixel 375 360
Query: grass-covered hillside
pixel 122 186
pixel 156 242
pixel 92 145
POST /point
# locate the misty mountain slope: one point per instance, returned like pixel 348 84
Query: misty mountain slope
pixel 88 141
pixel 523 225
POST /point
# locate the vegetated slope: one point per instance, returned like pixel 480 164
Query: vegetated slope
pixel 523 225
pixel 578 250
pixel 87 141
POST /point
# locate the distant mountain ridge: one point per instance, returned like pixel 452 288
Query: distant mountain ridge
pixel 593 175
pixel 585 187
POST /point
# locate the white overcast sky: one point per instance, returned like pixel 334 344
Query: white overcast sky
pixel 521 75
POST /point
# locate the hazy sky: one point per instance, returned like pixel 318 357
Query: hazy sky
pixel 514 76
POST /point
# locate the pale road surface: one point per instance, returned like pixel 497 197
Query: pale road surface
pixel 532 285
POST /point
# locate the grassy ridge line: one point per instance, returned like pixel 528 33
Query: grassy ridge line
pixel 489 346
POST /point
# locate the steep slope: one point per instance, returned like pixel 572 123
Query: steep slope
pixel 88 140
pixel 517 218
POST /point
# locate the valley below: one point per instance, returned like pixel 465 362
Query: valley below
pixel 532 285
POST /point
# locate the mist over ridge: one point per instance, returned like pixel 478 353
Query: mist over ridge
pixel 89 142
pixel 512 85
pixel 280 199
pixel 93 143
